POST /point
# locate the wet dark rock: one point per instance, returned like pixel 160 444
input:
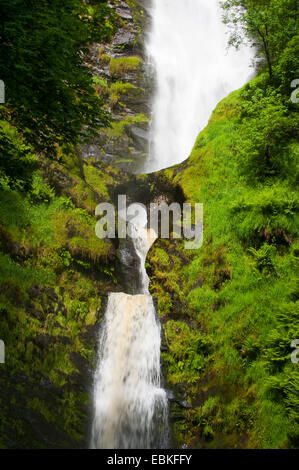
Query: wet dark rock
pixel 40 426
pixel 140 137
pixel 127 151
pixel 127 271
pixel 124 12
pixel 35 291
pixel 89 334
pixel 170 395
pixel 64 340
pixel 185 404
pixel 80 362
pixel 50 292
pixel 61 308
pixel 43 341
pixel 56 177
pixel 124 39
pixel 34 312
pixel 47 383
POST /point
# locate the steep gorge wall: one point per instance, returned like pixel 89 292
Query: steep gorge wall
pixel 55 273
pixel 123 80
pixel 228 309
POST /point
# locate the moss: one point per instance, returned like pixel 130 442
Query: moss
pixel 120 66
pixel 228 297
pixel 105 59
pixel 75 231
pixel 119 128
pixel 53 272
pixel 185 357
pixel 118 89
pixel 160 258
pixel 98 180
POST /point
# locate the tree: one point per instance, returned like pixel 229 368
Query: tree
pixel 266 143
pixel 268 25
pixel 49 88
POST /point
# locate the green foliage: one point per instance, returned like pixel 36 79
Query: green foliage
pixel 49 87
pixel 264 258
pixel 269 213
pixel 241 286
pixel 66 257
pixel 17 161
pixel 268 26
pixel 186 356
pixel 266 135
pixel 118 89
pixel 40 191
pixel 287 68
pixel 119 66
pixel 78 309
pixel 97 80
pixel 118 128
pixel 50 266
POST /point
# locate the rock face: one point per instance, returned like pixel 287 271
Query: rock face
pixel 54 298
pixel 124 82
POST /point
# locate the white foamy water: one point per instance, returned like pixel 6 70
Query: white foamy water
pixel 194 71
pixel 187 46
pixel 143 238
pixel 130 407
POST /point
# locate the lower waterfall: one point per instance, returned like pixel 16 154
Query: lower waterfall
pixel 130 407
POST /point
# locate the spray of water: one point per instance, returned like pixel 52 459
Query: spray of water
pixel 130 407
pixel 194 71
pixel 187 46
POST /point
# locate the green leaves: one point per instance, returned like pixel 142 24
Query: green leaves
pixel 264 258
pixel 268 26
pixel 49 86
pixel 265 136
pixel 266 214
pixel 17 161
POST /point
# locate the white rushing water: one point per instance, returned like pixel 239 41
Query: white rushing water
pixel 194 71
pixel 130 407
pixel 187 46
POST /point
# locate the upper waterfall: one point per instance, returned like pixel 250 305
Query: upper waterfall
pixel 187 47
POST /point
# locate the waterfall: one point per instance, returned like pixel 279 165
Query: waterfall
pixel 187 46
pixel 130 407
pixel 194 71
pixel 142 239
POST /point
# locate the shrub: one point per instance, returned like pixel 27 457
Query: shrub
pixel 119 66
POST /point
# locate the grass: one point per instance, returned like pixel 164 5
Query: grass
pixel 236 296
pixel 53 272
pixel 120 66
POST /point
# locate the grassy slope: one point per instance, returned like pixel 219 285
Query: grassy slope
pixel 54 274
pixel 228 310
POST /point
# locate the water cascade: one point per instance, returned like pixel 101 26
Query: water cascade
pixel 194 70
pixel 130 405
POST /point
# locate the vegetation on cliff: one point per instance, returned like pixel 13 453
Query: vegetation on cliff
pixel 230 310
pixel 54 271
